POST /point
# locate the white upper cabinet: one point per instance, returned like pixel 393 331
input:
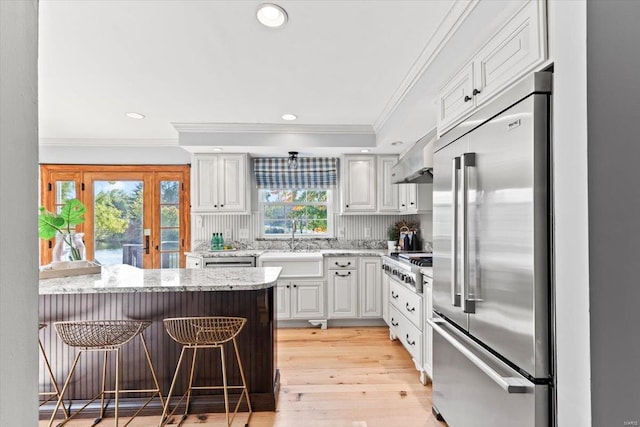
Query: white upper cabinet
pixel 219 183
pixel 516 49
pixel 455 99
pixel 359 184
pixel 366 188
pixel 387 192
pixel 415 198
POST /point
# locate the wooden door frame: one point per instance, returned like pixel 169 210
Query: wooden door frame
pixel 85 174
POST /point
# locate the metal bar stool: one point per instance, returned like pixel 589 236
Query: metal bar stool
pixel 199 333
pixel 55 393
pixel 105 336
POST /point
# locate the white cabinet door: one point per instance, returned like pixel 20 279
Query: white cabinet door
pixel 419 198
pixel 370 286
pixel 385 298
pixel 428 331
pixel 283 300
pixel 359 184
pixel 219 183
pixel 403 197
pixel 387 192
pixel 307 300
pixel 343 294
pixel 455 99
pixel 515 50
pixel 204 183
pixel 232 183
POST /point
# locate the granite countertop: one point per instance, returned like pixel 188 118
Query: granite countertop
pixel 324 252
pixel 125 278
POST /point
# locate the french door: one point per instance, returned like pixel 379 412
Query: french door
pixel 136 215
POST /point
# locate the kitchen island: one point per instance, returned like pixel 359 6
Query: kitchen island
pixel 125 292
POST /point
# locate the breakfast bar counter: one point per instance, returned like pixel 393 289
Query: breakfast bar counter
pixel 125 292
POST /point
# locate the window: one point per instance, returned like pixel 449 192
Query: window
pixel 308 208
pixel 136 215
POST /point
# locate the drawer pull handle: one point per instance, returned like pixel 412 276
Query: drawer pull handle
pixel 343 266
pixel 394 295
pixel 409 341
pixel 410 309
pixel 343 275
pixel 393 322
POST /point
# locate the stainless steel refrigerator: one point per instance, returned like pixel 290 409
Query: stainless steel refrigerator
pixel 492 340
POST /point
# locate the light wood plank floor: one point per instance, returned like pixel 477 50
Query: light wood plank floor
pixel 340 377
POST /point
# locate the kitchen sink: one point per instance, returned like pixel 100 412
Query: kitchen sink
pixel 294 264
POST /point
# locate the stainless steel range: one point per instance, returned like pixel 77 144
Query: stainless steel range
pixel 405 267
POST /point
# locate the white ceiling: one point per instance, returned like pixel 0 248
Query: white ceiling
pixel 343 65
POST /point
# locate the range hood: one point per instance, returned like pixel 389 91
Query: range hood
pixel 416 165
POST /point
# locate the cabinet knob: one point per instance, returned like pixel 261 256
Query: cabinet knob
pixel 412 203
pixel 475 92
pixel 222 206
pixel 347 205
pixel 403 205
pixel 467 98
pixel 215 206
pixel 288 286
pixel 295 286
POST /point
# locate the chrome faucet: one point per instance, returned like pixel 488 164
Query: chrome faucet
pixel 293 234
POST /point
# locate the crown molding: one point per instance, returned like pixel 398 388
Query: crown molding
pixel 104 142
pixel 456 15
pixel 274 128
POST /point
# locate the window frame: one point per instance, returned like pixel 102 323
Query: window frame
pixel 329 205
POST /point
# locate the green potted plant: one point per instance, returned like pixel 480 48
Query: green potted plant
pixel 69 245
pixel 393 234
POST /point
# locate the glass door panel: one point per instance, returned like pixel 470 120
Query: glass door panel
pixel 118 208
pixel 169 224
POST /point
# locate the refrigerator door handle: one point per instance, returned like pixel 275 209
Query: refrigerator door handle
pixel 509 384
pixel 455 296
pixel 468 160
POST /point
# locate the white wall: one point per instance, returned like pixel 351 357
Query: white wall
pixel 18 220
pixel 114 155
pixel 571 254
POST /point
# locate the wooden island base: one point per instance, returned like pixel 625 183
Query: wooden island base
pixel 255 343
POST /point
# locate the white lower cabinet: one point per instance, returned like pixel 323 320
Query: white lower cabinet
pixel 406 319
pixel 343 294
pixel 354 287
pixel 370 286
pixel 428 330
pixel 385 298
pixel 300 299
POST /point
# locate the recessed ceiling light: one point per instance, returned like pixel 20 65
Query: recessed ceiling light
pixel 364 151
pixel 397 143
pixel 217 149
pixel 289 116
pixel 133 115
pixel 271 15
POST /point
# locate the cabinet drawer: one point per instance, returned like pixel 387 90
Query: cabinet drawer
pixel 342 263
pixel 407 333
pixel 406 302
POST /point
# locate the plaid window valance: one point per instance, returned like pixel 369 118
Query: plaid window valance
pixel 311 172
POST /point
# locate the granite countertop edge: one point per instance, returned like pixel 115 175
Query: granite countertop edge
pixel 127 279
pixel 323 252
